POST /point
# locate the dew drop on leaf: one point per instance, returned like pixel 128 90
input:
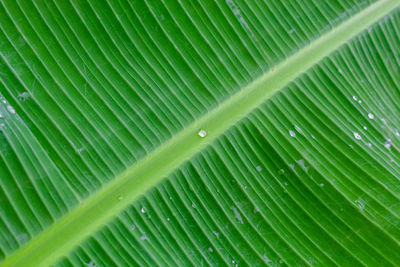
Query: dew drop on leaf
pixel 388 143
pixel 216 233
pixel 357 136
pixel 237 215
pixel 11 109
pixel 202 133
pixel 90 264
pixel 23 96
pixel 360 203
pixel 266 260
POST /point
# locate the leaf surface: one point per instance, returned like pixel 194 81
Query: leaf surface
pixel 189 133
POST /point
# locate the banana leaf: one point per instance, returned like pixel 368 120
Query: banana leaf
pixel 199 132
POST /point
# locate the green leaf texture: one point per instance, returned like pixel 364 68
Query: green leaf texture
pixel 191 133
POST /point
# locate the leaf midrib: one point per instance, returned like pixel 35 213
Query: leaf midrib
pixel 96 211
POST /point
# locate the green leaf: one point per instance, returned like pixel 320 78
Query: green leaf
pixel 181 133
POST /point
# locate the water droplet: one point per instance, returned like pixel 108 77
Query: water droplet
pixel 302 164
pixel 216 233
pixel 291 31
pixel 369 144
pixel 360 203
pixel 90 264
pixel 11 109
pixel 355 98
pixel 357 136
pixel 266 259
pixel 388 143
pixel 371 116
pixel 210 249
pixel 120 198
pixel 359 101
pixel 292 133
pixel 321 184
pixel 237 214
pixel 133 227
pixel 168 219
pixel 143 210
pixel 202 133
pixel 365 128
pixel 23 96
pixel 258 168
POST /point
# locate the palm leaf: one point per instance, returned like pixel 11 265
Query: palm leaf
pixel 199 133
